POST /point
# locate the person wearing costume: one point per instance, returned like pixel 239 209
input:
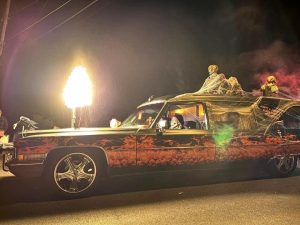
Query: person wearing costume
pixel 270 88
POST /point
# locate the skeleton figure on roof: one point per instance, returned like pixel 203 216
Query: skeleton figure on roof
pixel 215 83
pixel 235 87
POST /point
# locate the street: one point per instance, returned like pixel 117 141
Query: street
pixel 236 196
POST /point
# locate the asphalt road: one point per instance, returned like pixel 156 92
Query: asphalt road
pixel 235 196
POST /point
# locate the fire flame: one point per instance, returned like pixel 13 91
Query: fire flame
pixel 78 90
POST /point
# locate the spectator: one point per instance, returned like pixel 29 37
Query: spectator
pixel 3 124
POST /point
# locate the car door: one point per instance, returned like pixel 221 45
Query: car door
pixel 191 145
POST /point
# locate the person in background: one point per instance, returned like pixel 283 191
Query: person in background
pixel 3 124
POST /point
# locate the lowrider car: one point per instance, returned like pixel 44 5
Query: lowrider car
pixel 209 130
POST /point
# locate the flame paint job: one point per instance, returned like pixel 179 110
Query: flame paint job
pixel 172 150
pixel 254 148
pixel 120 150
pixel 168 150
pixel 132 147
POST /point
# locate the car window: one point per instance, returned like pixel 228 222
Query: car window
pixel 143 117
pixel 291 118
pixel 186 116
pixel 232 119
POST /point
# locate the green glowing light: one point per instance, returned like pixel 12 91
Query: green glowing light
pixel 223 136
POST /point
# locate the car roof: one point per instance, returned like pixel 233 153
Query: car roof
pixel 226 100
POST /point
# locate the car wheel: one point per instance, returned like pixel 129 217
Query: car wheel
pixel 282 166
pixel 73 174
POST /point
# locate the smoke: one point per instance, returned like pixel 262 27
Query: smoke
pixel 276 56
pixel 277 59
pixel 288 83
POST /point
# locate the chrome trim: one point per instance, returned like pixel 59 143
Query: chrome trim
pixel 69 176
pixel 26 164
pixel 151 103
pixel 167 148
pixel 276 156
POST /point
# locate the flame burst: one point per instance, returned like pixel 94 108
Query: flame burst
pixel 78 90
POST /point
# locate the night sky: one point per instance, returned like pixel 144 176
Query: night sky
pixel 134 49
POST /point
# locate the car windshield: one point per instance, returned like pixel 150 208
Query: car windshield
pixel 143 117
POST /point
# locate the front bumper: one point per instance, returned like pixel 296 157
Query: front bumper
pixel 31 169
pixel 9 154
pixel 21 169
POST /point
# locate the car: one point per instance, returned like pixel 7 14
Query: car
pixel 175 132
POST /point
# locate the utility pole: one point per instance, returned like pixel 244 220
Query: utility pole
pixel 5 19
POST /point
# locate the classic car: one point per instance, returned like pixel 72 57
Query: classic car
pixel 212 130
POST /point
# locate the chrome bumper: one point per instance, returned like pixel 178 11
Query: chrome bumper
pixel 22 169
pixel 9 153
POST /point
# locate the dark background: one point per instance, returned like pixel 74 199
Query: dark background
pixel 135 48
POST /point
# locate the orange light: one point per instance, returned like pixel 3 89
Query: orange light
pixel 20 157
pixel 201 110
pixel 179 111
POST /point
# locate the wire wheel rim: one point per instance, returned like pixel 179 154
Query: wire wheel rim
pixel 75 172
pixel 284 164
